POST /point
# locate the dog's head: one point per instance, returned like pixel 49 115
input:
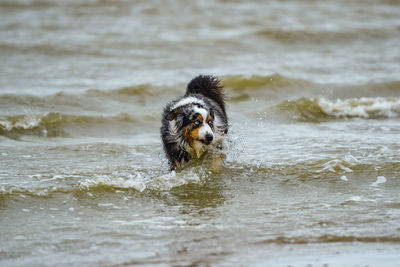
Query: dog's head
pixel 195 124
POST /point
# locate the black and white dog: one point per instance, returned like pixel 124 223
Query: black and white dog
pixel 195 123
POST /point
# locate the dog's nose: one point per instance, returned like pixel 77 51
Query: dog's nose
pixel 209 138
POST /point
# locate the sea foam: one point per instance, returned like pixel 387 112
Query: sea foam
pixel 364 107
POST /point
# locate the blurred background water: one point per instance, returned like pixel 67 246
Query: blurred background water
pixel 313 160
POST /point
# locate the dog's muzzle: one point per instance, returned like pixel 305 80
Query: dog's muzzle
pixel 208 139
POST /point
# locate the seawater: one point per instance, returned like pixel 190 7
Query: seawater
pixel 312 174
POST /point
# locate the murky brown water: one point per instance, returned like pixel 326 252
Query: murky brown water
pixel 313 162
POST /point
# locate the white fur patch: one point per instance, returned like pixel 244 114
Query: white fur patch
pixel 205 128
pixel 186 101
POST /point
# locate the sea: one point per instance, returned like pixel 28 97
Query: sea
pixel 312 171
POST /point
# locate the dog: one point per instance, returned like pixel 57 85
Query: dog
pixel 195 123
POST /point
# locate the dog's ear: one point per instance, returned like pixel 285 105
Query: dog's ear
pixel 212 114
pixel 172 114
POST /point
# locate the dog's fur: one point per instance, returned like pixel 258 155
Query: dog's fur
pixel 195 123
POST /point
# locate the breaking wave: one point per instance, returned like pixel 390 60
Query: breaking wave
pixel 320 109
pixel 341 171
pixel 238 88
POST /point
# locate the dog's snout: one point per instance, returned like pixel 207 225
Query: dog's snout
pixel 209 138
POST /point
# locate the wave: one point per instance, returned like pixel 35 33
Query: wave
pixel 321 109
pixel 93 98
pixel 277 87
pixel 238 88
pixel 138 180
pixel 242 88
pixel 142 90
pixel 48 49
pixel 323 37
pixel 331 239
pixel 338 171
pixel 239 82
pixel 56 124
pixel 19 4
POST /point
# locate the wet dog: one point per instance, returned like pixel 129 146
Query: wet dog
pixel 195 123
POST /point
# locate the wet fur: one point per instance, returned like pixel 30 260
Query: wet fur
pixel 182 138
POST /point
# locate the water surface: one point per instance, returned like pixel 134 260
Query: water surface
pixel 313 154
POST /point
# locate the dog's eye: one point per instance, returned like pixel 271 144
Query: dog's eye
pixel 197 123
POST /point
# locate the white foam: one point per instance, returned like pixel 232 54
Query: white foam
pixel 114 181
pixel 336 165
pixel 351 160
pixel 172 179
pixel 379 180
pixel 365 107
pixel 142 181
pixel 355 198
pixel 7 125
pixel 25 122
